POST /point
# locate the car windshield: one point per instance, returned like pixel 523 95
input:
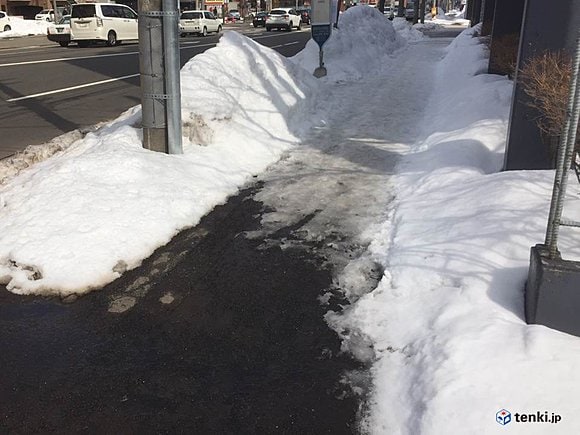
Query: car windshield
pixel 65 20
pixel 262 14
pixel 278 12
pixel 83 11
pixel 191 16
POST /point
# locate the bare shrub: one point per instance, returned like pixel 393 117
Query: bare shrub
pixel 545 78
pixel 504 54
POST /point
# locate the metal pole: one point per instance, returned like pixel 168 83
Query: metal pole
pixel 152 75
pixel 565 153
pixel 172 76
pixel 56 13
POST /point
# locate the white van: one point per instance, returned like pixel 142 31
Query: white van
pixel 109 22
pixel 199 22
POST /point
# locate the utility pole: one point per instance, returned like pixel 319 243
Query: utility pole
pixel 160 86
pixel 56 13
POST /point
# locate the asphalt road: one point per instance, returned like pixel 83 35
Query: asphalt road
pixel 47 90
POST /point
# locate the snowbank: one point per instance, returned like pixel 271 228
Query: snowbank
pixel 446 321
pixel 20 27
pixel 359 45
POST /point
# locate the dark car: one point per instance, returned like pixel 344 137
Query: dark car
pixel 305 14
pixel 260 19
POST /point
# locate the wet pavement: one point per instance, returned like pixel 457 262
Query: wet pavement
pixel 215 333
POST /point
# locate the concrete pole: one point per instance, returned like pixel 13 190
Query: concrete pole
pixel 476 12
pixel 469 10
pixel 487 14
pixel 552 29
pixel 57 16
pixel 152 73
pixel 505 35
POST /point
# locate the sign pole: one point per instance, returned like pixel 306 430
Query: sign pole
pixel 321 30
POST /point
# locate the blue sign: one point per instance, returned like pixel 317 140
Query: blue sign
pixel 321 33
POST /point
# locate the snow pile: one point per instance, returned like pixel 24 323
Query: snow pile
pixel 406 30
pixel 446 321
pixel 360 45
pixel 242 87
pixel 20 27
pixel 81 218
pixel 453 17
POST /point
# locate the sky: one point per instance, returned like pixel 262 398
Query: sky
pixel 404 143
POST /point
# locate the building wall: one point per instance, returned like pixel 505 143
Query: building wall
pixel 28 8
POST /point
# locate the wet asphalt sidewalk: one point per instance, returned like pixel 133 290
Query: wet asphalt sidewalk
pixel 210 335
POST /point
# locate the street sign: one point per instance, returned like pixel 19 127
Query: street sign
pixel 321 33
pixel 321 28
pixel 321 12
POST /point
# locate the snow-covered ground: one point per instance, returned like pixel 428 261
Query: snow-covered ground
pixel 20 27
pixel 397 153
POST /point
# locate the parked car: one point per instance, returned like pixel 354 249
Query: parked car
pixel 389 12
pixel 4 22
pixel 236 14
pixel 283 18
pixel 260 19
pixel 45 15
pixel 410 11
pixel 60 32
pixel 199 22
pixel 108 22
pixel 304 15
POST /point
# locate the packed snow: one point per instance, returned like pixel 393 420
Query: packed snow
pixel 20 27
pixel 404 141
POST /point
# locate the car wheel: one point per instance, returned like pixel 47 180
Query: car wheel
pixel 255 25
pixel 299 25
pixel 204 32
pixel 7 28
pixel 268 29
pixel 111 38
pixel 219 29
pixel 289 29
pixel 63 43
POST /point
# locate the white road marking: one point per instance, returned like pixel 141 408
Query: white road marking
pixel 68 59
pixel 194 44
pixel 285 45
pixel 72 88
